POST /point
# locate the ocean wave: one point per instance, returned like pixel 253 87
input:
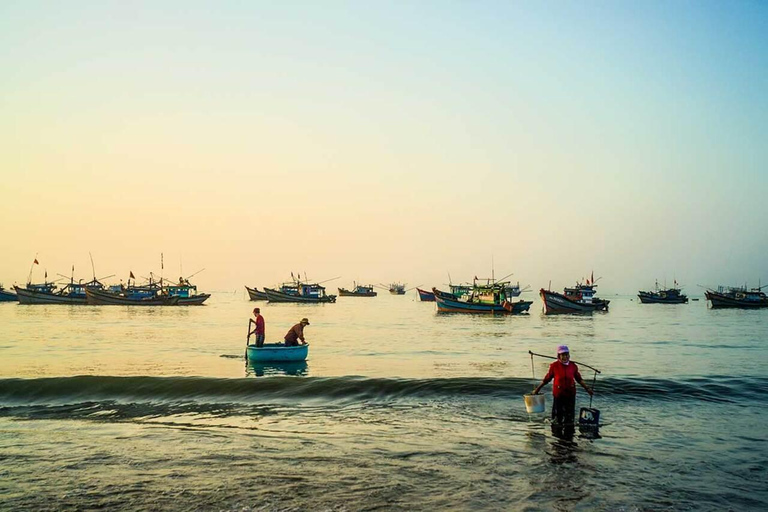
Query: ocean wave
pixel 81 389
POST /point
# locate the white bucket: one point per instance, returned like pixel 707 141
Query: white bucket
pixel 534 403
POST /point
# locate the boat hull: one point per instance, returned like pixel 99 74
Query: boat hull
pixel 195 300
pixel 557 303
pixel 277 352
pixel 718 300
pixel 34 297
pixel 6 296
pixel 425 296
pixel 447 305
pixel 277 296
pixel 255 294
pixel 343 292
pixel 103 298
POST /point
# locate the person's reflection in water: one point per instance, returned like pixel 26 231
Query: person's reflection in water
pixel 298 369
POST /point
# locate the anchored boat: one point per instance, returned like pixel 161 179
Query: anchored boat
pixel 312 293
pixel 135 296
pixel 358 290
pixel 425 296
pixel 737 297
pixel 579 299
pixel 663 296
pixel 187 293
pixel 6 296
pixel 488 298
pixel 255 294
pixel 46 293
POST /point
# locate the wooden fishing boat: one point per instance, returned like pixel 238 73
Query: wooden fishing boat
pixel 425 296
pixel 277 352
pixel 255 294
pixel 46 293
pixel 186 292
pixel 663 296
pixel 133 296
pixel 358 290
pixel 310 293
pixel 579 299
pixel 737 297
pixel 397 288
pixel 488 298
pixel 6 296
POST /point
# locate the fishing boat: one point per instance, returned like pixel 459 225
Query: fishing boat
pixel 130 296
pixel 277 352
pixel 46 293
pixel 310 293
pixel 186 292
pixel 425 296
pixel 578 299
pixel 255 294
pixel 737 297
pixel 663 296
pixel 397 288
pixel 358 290
pixel 483 298
pixel 6 296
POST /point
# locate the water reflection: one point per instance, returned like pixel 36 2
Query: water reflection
pixel 255 369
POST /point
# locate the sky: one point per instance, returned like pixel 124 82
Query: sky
pixel 385 141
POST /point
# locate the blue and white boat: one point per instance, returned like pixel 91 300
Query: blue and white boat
pixel 277 352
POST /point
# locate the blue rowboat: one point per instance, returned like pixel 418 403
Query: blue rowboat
pixel 274 352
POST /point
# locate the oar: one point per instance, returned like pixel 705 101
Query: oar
pixel 248 338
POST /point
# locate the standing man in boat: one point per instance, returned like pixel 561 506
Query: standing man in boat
pixel 296 333
pixel 566 375
pixel 259 330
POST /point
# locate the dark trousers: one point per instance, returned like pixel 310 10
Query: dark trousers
pixel 259 340
pixel 291 343
pixel 564 410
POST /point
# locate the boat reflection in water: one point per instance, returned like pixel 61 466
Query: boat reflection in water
pixel 271 369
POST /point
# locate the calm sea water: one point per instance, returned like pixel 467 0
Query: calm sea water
pixel 396 408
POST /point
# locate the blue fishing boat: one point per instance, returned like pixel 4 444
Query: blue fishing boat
pixel 488 298
pixel 6 296
pixel 425 296
pixel 663 296
pixel 276 352
pixel 186 292
pixel 299 291
pixel 397 288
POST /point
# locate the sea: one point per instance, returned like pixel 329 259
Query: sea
pixel 398 407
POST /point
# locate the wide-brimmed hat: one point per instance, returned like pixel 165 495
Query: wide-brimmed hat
pixel 563 349
pixel 305 321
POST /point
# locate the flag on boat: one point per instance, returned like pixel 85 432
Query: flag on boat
pixel 36 262
pixel 131 275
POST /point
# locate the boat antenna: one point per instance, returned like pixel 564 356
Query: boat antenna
pixel 492 270
pixel 93 267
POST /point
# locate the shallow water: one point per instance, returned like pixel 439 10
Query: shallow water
pixel 396 408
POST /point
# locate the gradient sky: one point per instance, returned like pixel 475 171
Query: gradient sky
pixel 386 141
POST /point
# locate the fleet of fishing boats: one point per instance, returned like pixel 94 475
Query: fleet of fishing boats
pixel 479 296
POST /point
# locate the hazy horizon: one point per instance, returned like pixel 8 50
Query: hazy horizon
pixel 386 142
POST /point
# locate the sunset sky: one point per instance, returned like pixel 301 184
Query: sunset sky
pixel 386 141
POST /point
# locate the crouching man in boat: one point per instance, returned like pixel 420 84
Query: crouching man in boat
pixel 296 333
pixel 259 329
pixel 566 375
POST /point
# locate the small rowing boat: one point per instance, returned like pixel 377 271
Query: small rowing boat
pixel 276 352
